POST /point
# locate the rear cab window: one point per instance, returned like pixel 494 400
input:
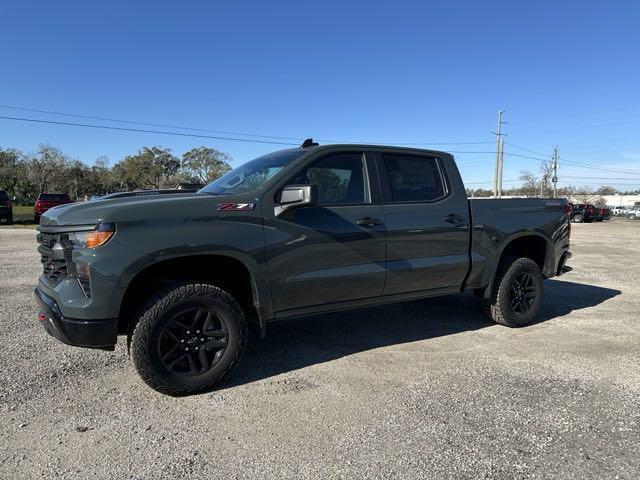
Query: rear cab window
pixel 54 197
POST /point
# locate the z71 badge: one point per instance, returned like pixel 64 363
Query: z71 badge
pixel 235 207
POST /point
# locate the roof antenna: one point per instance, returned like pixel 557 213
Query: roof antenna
pixel 309 143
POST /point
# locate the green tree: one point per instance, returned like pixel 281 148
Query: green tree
pixel 151 167
pixel 10 161
pixel 205 164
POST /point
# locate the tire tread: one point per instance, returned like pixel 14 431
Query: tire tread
pixel 495 308
pixel 154 307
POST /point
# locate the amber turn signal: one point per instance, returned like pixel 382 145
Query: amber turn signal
pixel 99 237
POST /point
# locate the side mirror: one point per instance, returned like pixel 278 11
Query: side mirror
pixel 296 196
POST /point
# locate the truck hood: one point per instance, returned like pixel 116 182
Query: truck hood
pixel 134 208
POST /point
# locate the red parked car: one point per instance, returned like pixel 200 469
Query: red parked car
pixel 46 201
pixel 603 214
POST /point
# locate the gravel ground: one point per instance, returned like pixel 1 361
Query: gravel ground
pixel 425 389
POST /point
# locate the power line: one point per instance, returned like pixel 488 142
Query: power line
pixel 600 178
pixel 159 132
pixel 525 149
pixel 491 181
pixel 140 130
pixel 525 156
pixel 603 169
pixel 161 125
pixel 576 164
pixel 601 183
pixel 223 132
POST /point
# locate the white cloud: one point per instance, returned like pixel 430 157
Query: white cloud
pixel 631 155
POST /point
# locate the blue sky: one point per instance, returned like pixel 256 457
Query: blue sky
pixel 567 73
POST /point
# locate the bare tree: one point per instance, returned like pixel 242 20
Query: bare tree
pixel 46 167
pixel 546 174
pixel 529 183
pixel 606 190
pixel 585 195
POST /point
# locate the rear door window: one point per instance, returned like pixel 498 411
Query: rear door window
pixel 414 178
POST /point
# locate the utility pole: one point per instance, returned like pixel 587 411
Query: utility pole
pixel 501 163
pixel 497 172
pixel 554 179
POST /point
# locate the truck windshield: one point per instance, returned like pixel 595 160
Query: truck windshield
pixel 252 175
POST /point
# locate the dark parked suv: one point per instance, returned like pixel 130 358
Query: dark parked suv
pixel 583 212
pixel 6 210
pixel 290 234
pixel 46 201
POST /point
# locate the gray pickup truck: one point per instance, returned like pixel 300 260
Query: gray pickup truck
pixel 289 234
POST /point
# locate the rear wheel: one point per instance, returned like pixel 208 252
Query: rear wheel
pixel 577 218
pixel 518 293
pixel 188 338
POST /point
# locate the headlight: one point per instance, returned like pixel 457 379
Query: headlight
pixel 93 238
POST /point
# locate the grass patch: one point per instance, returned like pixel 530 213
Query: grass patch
pixel 22 218
pixel 22 214
pixel 24 226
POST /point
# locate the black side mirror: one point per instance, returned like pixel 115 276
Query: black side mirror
pixel 297 196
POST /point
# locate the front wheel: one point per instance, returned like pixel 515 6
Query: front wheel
pixel 517 293
pixel 188 338
pixel 577 218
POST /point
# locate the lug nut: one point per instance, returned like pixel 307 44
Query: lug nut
pixel 188 332
pixel 197 348
pixel 182 341
pixel 186 349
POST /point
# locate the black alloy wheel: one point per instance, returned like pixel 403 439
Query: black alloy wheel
pixel 193 342
pixel 523 293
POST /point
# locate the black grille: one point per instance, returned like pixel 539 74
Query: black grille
pixel 54 269
pixel 86 286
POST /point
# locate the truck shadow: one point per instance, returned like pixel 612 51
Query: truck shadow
pixel 294 344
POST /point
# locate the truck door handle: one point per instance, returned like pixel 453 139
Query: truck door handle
pixel 453 218
pixel 368 222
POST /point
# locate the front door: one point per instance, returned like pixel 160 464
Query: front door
pixel 333 251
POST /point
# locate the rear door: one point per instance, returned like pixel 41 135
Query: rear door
pixel 427 223
pixel 333 251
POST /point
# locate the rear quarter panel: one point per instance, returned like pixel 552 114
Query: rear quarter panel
pixel 497 222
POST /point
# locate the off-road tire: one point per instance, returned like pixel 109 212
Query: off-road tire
pixel 156 313
pixel 577 218
pixel 499 307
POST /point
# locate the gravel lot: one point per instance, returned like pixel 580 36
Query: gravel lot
pixel 426 389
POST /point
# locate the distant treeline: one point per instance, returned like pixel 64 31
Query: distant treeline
pixel 25 176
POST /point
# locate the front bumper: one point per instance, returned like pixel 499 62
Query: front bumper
pixel 80 333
